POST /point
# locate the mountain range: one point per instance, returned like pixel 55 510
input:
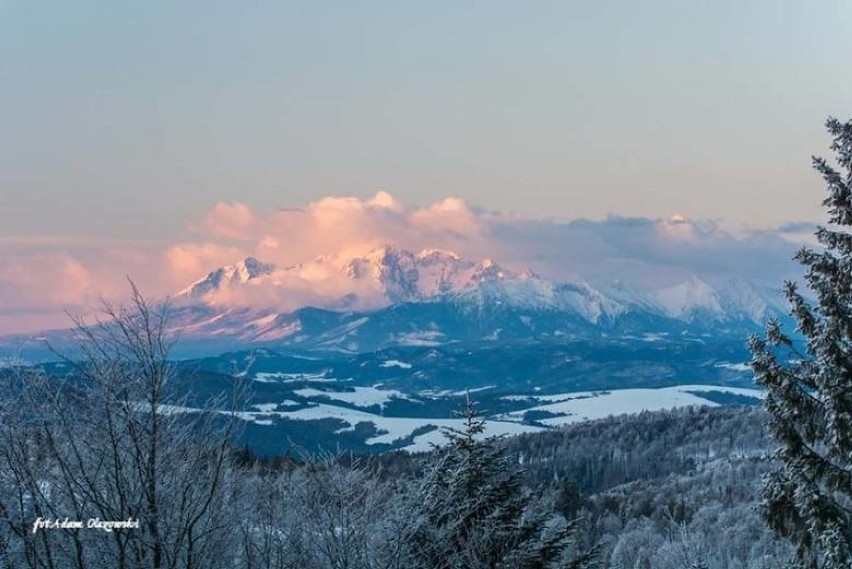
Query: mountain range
pixel 391 296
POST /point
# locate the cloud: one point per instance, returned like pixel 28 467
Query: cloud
pixel 231 220
pixel 797 227
pixel 343 224
pixel 32 281
pixel 651 252
pixel 450 216
pixel 185 262
pixel 43 275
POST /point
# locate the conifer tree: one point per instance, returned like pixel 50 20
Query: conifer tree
pixel 473 511
pixel 808 496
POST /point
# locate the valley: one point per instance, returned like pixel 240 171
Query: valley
pixel 401 398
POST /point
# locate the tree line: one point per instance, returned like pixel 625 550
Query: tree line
pixel 111 443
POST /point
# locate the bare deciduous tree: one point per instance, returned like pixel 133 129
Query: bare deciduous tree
pixel 110 443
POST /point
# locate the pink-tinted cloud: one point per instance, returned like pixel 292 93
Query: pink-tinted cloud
pixel 43 275
pixel 449 216
pixel 348 225
pixel 52 279
pixel 231 220
pixel 47 274
pixel 186 262
pixel 39 284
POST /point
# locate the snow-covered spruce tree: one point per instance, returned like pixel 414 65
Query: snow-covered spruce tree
pixel 808 496
pixel 471 510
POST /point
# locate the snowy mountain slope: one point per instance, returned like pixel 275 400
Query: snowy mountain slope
pixel 390 296
pixel 388 276
pixel 246 270
pixel 399 276
pixel 686 298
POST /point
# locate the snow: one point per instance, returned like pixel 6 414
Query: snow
pixel 377 278
pixel 143 406
pixel 277 331
pixel 425 441
pixel 745 392
pixel 435 393
pixel 735 367
pixel 284 377
pixel 352 326
pixel 395 427
pixel 247 416
pixel 433 273
pixel 437 253
pixel 264 320
pixel 424 338
pixel 555 398
pixel 571 407
pixel 243 272
pixel 395 363
pixel 590 405
pixel 578 406
pixel 681 299
pixel 361 397
pixel 474 390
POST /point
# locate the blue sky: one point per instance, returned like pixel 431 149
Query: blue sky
pixel 126 120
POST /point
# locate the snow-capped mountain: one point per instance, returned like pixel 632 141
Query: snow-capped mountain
pixel 687 298
pixel 391 296
pixel 399 276
pixel 388 276
pixel 391 274
pixel 229 276
pixel 403 276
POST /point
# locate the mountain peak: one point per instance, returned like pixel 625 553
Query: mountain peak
pixel 688 298
pixel 488 270
pixel 238 273
pixel 437 254
pixel 250 268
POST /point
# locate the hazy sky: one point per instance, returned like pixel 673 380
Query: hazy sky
pixel 162 139
pixel 129 119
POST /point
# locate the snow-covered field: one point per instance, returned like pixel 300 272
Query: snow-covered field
pixel 559 409
pixel 401 427
pixel 570 408
pixel 360 397
pixel 281 377
pixel 590 405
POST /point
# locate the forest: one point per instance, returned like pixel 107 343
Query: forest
pixel 658 490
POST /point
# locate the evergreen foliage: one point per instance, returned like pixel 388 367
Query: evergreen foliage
pixel 808 497
pixel 474 511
